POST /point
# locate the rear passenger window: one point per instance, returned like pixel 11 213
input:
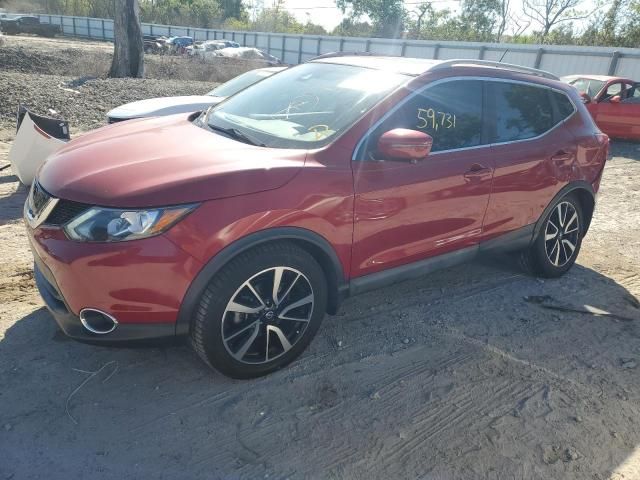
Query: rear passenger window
pixel 522 111
pixel 565 107
pixel 451 112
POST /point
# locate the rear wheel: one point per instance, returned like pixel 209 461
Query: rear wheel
pixel 556 248
pixel 260 311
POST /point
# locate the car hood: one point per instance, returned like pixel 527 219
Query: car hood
pixel 153 107
pixel 163 161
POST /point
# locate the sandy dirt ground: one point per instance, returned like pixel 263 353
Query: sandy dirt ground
pixel 478 372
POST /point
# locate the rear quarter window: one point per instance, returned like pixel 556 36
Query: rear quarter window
pixel 565 106
pixel 521 111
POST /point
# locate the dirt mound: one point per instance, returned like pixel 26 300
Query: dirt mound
pixel 20 59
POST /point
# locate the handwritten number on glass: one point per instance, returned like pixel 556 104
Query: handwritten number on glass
pixel 432 119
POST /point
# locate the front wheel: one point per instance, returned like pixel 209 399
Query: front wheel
pixel 260 311
pixel 558 243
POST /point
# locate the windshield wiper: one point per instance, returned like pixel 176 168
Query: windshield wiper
pixel 238 135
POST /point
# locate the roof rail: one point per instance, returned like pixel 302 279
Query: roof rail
pixel 489 63
pixel 340 54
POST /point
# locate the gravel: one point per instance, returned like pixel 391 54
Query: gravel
pixel 85 107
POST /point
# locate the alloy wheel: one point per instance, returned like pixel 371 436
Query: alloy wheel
pixel 561 234
pixel 267 315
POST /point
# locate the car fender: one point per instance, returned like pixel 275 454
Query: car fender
pixel 337 284
pixel 577 186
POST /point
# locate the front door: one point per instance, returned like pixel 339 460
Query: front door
pixel 409 211
pixel 617 118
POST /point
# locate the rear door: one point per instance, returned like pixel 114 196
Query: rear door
pixel 532 150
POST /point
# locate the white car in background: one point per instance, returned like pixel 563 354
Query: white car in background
pixel 246 53
pixel 200 49
pixel 156 107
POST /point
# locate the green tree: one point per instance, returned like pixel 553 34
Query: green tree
pixel 479 20
pixel 387 16
pixel 351 28
pixel 276 19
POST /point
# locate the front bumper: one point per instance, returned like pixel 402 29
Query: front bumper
pixel 70 324
pixel 140 283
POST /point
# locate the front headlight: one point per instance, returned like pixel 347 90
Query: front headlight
pixel 116 225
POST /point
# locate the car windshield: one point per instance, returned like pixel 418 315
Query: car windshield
pixel 587 85
pixel 241 82
pixel 305 106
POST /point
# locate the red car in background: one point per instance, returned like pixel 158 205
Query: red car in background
pixel 613 102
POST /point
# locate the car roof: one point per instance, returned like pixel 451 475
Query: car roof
pixel 601 78
pixel 405 65
pixel 419 66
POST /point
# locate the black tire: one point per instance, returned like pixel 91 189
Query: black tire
pixel 552 257
pixel 214 329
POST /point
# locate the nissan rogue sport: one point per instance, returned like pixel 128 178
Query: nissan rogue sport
pixel 241 226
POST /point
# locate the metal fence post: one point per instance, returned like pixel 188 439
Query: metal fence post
pixel 188 32
pixel 300 39
pixel 319 46
pixel 169 30
pixel 284 39
pixel 104 34
pixel 342 44
pixel 483 49
pixel 613 66
pixel 74 26
pixel 367 46
pixel 255 39
pixel 244 39
pixel 436 50
pixel 89 28
pixel 269 43
pixel 403 51
pixel 538 58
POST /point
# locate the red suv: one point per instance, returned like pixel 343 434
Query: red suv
pixel 241 226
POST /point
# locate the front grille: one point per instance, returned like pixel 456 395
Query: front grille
pixel 65 211
pixel 39 198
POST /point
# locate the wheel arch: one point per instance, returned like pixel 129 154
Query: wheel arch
pixel 586 195
pixel 310 241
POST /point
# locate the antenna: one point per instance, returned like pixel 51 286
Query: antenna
pixel 505 52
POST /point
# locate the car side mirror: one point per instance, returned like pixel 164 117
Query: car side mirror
pixel 615 99
pixel 585 98
pixel 405 144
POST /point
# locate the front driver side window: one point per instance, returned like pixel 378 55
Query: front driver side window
pixel 612 90
pixel 451 112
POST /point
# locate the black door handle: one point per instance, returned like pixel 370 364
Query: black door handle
pixel 477 170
